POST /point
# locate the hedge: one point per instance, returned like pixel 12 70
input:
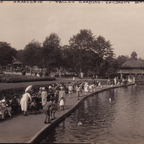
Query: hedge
pixel 14 79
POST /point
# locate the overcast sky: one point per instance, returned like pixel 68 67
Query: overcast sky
pixel 122 24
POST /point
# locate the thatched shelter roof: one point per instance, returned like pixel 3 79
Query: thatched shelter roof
pixel 133 63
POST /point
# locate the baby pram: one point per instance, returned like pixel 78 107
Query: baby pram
pixel 35 105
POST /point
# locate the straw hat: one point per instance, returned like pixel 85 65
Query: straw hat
pixel 3 100
pixel 28 88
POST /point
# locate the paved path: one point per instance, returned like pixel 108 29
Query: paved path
pixel 20 129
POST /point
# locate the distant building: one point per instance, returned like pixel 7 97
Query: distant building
pixel 17 65
pixel 132 69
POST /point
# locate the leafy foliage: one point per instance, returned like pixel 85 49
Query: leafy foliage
pixel 85 53
pixel 7 53
pixel 89 51
pixel 51 52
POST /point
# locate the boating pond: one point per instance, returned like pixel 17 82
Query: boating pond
pixel 115 116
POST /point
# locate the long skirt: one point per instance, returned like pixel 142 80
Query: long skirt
pixel 86 89
pixel 24 105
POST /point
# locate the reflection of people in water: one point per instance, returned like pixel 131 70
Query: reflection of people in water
pixel 91 101
pixel 63 124
pixel 86 106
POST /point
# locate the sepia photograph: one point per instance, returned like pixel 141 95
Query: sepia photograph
pixel 72 72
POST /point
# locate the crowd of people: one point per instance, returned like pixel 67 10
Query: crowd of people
pixel 117 81
pixel 51 99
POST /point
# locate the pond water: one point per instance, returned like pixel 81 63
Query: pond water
pixel 114 116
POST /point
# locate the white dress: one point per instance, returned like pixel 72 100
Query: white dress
pixel 86 87
pixel 24 101
pixel 61 102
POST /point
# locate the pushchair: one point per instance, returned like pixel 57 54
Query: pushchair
pixel 35 105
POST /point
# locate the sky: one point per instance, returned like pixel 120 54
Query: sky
pixel 121 24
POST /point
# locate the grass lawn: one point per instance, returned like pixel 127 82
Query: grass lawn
pixel 8 78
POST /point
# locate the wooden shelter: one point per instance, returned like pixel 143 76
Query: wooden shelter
pixel 17 65
pixel 133 68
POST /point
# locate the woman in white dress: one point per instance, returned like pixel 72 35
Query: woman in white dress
pixel 86 88
pixel 24 100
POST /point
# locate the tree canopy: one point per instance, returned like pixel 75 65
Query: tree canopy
pixel 7 53
pixel 85 53
pixel 51 51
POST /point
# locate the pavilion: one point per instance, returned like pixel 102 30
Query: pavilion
pixel 17 64
pixel 133 69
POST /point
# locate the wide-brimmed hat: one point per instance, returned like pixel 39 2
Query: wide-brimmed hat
pixel 3 100
pixel 28 88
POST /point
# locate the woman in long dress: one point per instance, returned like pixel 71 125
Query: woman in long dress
pixel 24 101
pixel 86 88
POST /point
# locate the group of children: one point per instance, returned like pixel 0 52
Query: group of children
pixel 53 98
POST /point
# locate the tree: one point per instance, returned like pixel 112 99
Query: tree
pixel 7 53
pixel 66 58
pixel 121 59
pixel 113 66
pixel 32 53
pixel 79 45
pixel 90 62
pixel 110 69
pixel 20 56
pixel 83 40
pixel 104 50
pixel 51 52
pixel 89 51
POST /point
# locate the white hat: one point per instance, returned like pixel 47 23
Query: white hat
pixel 43 88
pixel 3 100
pixel 28 88
pixel 61 87
pixel 50 86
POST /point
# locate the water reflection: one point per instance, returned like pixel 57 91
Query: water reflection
pixel 119 121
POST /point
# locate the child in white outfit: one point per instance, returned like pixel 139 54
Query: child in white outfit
pixel 62 104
